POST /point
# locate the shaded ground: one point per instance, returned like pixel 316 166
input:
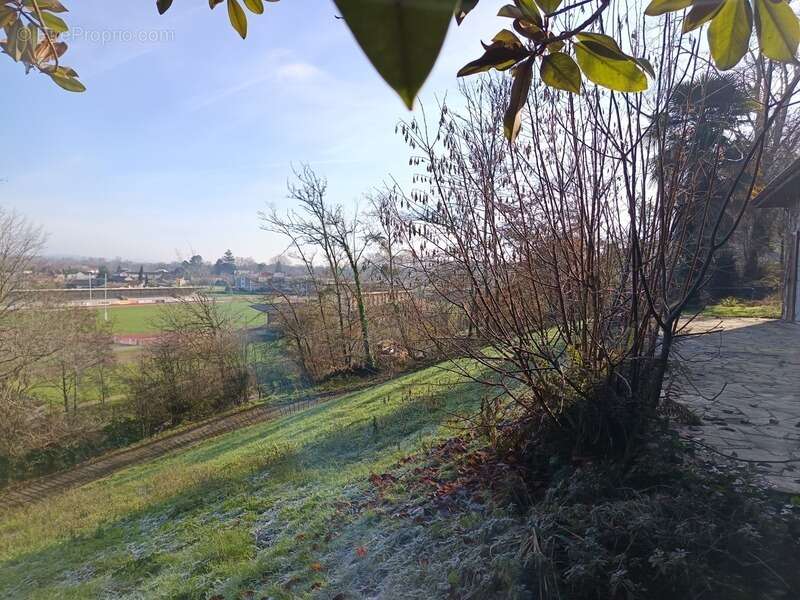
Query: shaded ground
pixel 743 380
pixel 43 487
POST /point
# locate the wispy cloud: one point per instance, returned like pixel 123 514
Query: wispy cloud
pixel 275 69
pixel 298 71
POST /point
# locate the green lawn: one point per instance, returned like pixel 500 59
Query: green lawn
pixel 261 510
pixel 143 319
pixel 741 310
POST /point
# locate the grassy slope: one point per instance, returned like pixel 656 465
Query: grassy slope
pixel 253 510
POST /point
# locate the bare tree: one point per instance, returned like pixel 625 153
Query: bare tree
pixel 387 263
pixel 312 227
pixel 287 228
pixel 318 227
pixel 198 366
pixel 20 241
pixel 347 235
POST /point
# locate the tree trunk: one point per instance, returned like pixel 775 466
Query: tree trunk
pixel 369 360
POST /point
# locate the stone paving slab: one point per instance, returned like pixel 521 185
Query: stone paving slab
pixel 742 378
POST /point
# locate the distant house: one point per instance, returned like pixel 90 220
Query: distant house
pixel 783 192
pixel 79 280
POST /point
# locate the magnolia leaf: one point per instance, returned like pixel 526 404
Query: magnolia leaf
pixel 604 40
pixel 463 8
pixel 507 38
pixel 660 7
pixel 163 6
pixel 31 42
pixel 44 51
pixel 548 6
pixel 530 30
pixel 212 4
pixel 530 12
pixel 729 33
pixel 559 71
pixel 778 30
pixel 69 83
pixel 237 17
pixel 510 11
pixel 609 68
pixel 51 5
pixel 499 55
pixel 702 12
pixel 15 40
pixel 402 38
pixel 512 120
pixel 255 6
pixel 54 23
pixel 7 15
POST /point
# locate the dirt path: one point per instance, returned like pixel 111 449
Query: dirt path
pixel 43 487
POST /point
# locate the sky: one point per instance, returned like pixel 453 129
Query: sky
pixel 187 131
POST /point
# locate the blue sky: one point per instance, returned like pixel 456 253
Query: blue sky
pixel 178 142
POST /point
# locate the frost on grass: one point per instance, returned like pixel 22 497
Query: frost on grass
pixel 675 525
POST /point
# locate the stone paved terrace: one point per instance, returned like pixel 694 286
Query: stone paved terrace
pixel 743 380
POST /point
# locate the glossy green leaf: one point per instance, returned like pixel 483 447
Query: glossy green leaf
pixel 530 12
pixel 71 84
pixel 512 120
pixel 31 42
pixel 530 30
pixel 510 11
pixel 503 53
pixel 163 6
pixel 548 6
pixel 660 7
pixel 702 12
pixel 778 30
pixel 237 17
pixel 255 6
pixel 507 38
pixel 463 9
pixel 15 40
pixel 51 5
pixel 54 23
pixel 401 38
pixel 604 40
pixel 609 68
pixel 729 33
pixel 212 4
pixel 559 71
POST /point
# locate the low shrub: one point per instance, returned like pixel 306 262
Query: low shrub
pixel 673 526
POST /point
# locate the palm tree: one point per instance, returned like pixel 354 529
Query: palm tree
pixel 705 129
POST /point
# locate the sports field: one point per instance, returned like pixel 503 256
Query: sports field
pixel 144 319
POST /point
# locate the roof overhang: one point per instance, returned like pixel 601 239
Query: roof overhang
pixel 783 191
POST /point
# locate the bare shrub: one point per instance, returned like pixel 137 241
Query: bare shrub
pixel 198 367
pixel 562 265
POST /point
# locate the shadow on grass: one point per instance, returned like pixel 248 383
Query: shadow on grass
pixel 336 450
